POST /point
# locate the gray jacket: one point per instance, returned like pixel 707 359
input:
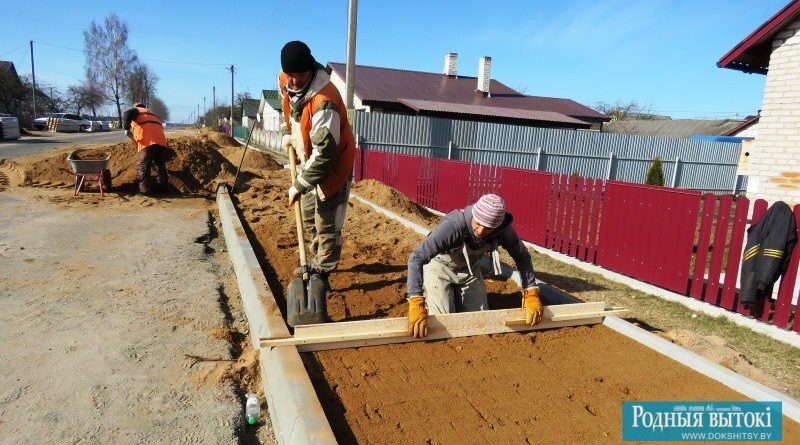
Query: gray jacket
pixel 453 244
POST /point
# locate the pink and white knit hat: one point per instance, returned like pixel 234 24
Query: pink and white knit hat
pixel 489 211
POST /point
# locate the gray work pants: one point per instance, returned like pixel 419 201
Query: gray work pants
pixel 447 291
pixel 323 221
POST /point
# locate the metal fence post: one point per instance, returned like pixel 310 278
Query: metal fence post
pixel 538 158
pixel 610 163
pixel 450 150
pixel 675 171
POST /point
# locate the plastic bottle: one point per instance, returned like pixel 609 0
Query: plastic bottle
pixel 252 408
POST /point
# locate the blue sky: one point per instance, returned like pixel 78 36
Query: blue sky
pixel 657 52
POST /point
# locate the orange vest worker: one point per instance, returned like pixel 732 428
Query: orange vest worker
pixel 147 129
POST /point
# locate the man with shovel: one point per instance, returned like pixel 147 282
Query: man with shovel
pixel 318 132
pixel 445 270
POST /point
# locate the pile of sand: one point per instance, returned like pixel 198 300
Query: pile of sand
pixel 389 198
pixel 221 139
pixel 194 165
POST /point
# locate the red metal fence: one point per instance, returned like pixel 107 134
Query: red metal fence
pixel 676 239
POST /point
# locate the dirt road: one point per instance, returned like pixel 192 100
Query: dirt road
pixel 112 320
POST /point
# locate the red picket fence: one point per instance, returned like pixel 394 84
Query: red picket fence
pixel 572 224
pixel 675 239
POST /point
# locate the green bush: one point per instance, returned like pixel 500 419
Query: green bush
pixel 655 175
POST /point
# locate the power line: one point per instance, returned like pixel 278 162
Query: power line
pixel 13 50
pixel 142 58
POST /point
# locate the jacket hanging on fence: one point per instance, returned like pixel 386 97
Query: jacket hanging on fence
pixel 767 252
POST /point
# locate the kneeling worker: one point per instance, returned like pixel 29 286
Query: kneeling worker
pixel 446 264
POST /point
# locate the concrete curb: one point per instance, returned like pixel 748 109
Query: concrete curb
pixel 296 413
pixel 737 382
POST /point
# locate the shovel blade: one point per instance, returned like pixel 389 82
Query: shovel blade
pixel 306 301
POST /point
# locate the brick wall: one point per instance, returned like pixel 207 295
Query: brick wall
pixel 775 161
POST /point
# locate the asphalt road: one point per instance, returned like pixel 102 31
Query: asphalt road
pixel 28 145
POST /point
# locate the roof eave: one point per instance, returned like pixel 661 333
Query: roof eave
pixel 768 28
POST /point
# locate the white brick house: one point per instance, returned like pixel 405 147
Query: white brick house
pixel 774 49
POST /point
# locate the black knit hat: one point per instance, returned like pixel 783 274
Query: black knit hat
pixel 296 57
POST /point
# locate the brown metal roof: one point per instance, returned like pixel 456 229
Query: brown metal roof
pixel 376 84
pixel 483 110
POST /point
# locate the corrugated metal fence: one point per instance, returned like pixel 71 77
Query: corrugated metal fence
pixel 701 165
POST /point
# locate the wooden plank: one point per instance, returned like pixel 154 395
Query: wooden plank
pixel 393 330
pixel 616 312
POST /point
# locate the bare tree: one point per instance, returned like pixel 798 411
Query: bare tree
pixel 76 97
pixel 109 58
pixel 12 90
pixel 94 93
pixel 141 84
pixel 621 110
pixel 160 109
pixel 48 99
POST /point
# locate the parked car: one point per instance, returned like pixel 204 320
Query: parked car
pixel 40 123
pixel 67 122
pixel 9 127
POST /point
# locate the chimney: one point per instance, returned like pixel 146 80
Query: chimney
pixel 484 75
pixel 451 64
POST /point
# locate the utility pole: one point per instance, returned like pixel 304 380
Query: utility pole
pixel 350 69
pixel 198 115
pixel 33 76
pixel 231 122
pixel 204 110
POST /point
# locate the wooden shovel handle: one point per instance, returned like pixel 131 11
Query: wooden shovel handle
pixel 298 216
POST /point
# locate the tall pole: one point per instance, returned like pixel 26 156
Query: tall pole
pixel 204 110
pixel 198 115
pixel 214 106
pixel 231 122
pixel 33 76
pixel 352 18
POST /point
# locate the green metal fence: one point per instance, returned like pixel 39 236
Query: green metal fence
pixel 240 132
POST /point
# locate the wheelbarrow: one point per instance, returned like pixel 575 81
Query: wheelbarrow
pixel 91 169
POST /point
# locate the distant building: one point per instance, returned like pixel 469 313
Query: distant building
pixel 747 129
pixel 270 106
pixel 774 49
pixel 673 128
pixel 450 95
pixel 249 111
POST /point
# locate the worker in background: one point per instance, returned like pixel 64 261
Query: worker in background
pixel 444 274
pixel 147 130
pixel 316 125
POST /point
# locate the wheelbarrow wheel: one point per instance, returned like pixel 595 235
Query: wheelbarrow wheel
pixel 107 179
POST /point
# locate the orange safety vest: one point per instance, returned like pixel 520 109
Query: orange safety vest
pixel 148 129
pixel 343 169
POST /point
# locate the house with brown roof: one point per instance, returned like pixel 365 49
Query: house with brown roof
pixel 773 49
pixel 453 96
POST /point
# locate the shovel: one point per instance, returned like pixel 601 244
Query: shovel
pixel 305 296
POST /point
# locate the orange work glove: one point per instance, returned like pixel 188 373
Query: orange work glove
pixel 417 317
pixel 532 305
